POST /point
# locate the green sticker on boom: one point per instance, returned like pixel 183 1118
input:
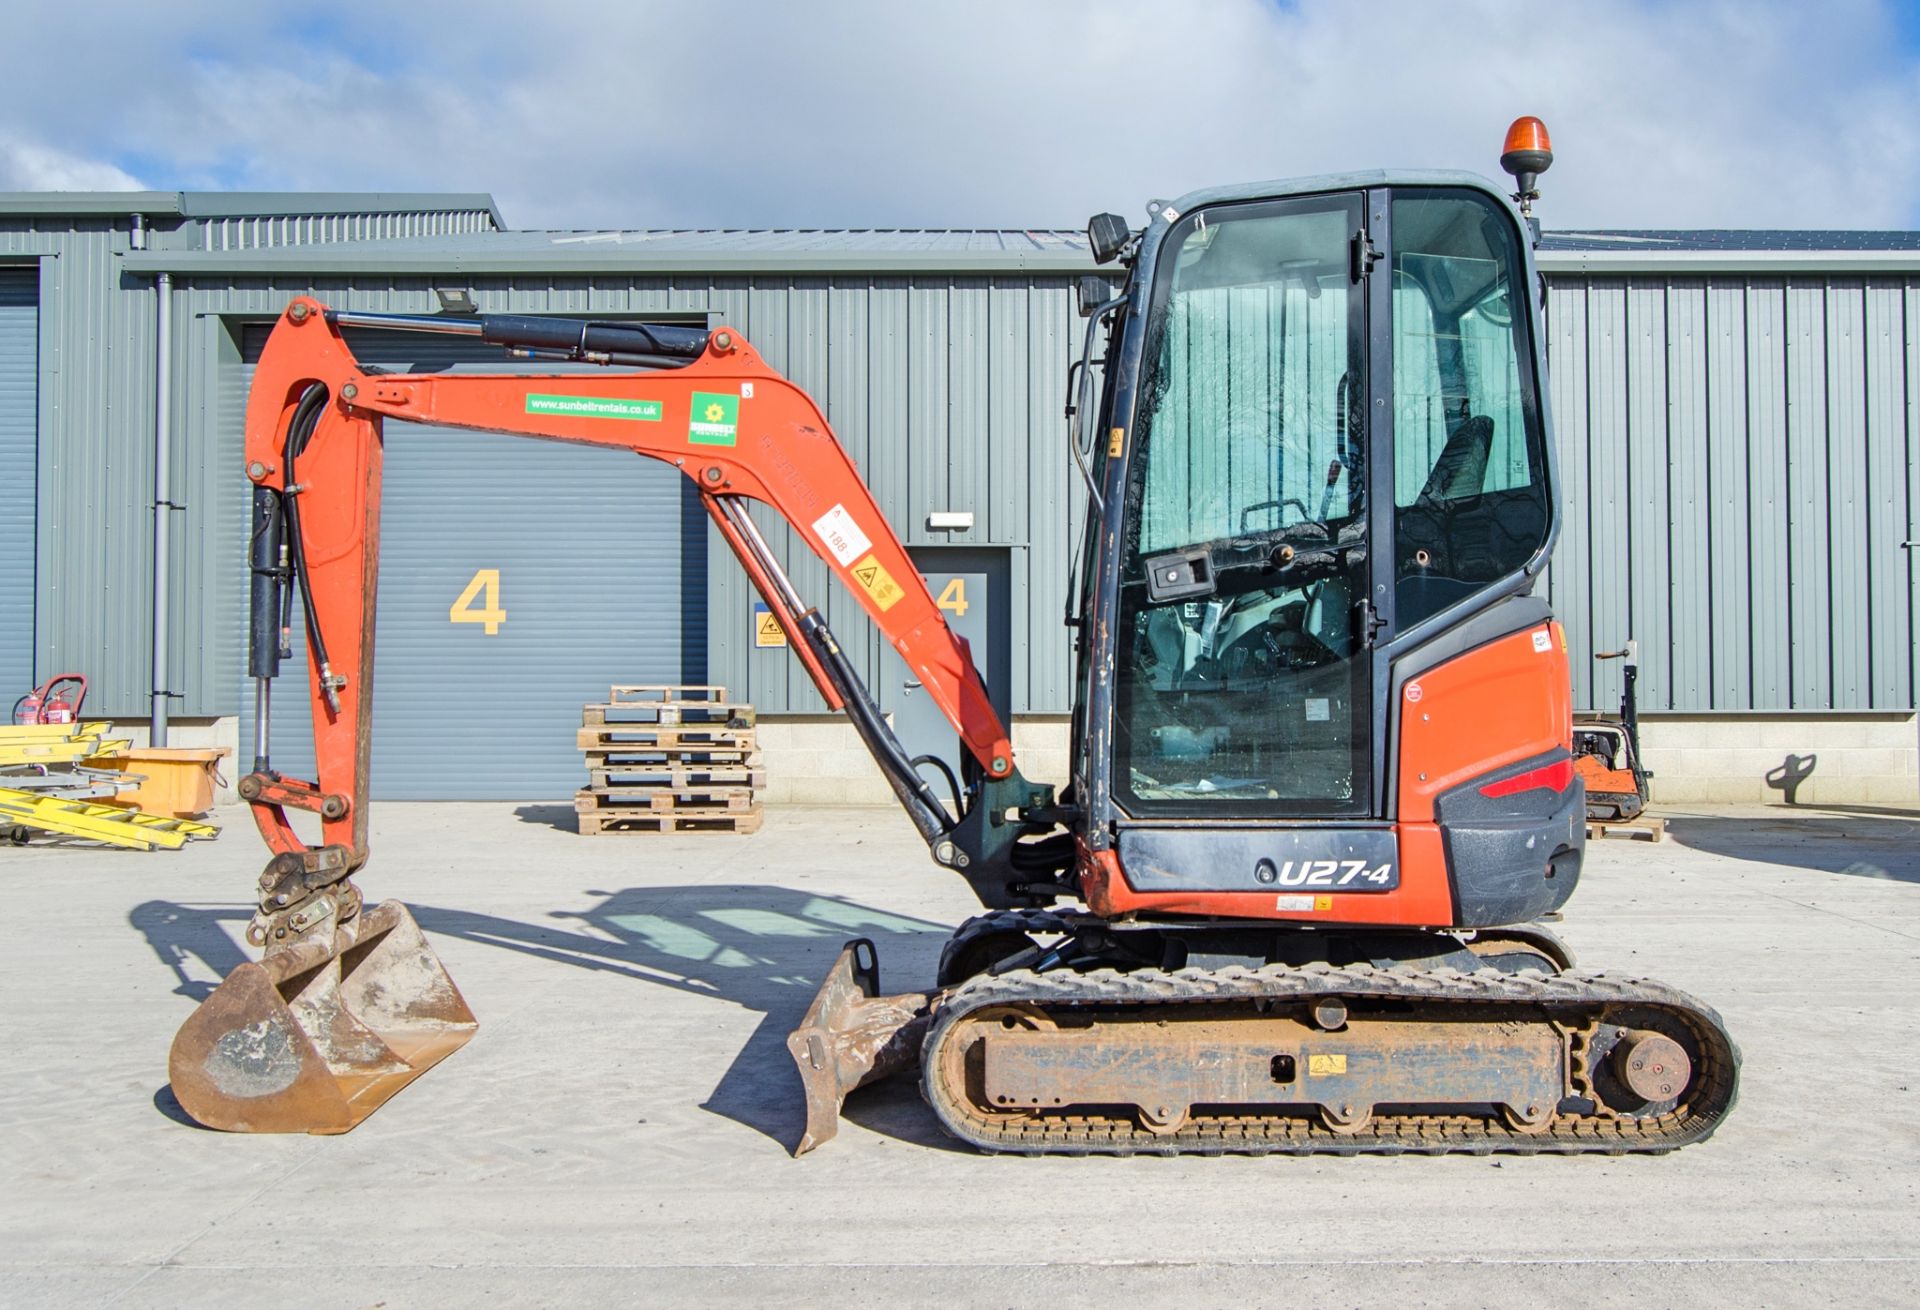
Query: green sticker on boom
pixel 714 419
pixel 645 411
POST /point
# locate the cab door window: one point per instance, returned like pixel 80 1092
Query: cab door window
pixel 1469 478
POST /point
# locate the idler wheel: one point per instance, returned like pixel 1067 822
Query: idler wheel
pixel 1653 1066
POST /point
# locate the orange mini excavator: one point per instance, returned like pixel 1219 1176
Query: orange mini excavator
pixel 1322 787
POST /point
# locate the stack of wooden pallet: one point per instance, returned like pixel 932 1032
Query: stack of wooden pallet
pixel 669 759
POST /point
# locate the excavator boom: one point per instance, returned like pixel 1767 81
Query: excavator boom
pixel 721 416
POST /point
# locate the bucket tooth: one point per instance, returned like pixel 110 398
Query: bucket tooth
pixel 852 1036
pixel 316 1037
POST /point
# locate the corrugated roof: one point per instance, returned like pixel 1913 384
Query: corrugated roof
pixel 709 250
pixel 1009 241
pixel 981 251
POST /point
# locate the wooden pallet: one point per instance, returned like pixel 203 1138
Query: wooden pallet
pixel 667 716
pixel 629 757
pixel 671 773
pixel 661 799
pixel 656 693
pixel 1645 827
pixel 610 738
pixel 628 820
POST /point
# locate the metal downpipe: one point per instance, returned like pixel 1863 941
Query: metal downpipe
pixel 162 496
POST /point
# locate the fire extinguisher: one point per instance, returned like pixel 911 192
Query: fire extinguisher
pixel 49 703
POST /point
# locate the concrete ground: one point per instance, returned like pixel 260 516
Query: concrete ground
pixel 617 1132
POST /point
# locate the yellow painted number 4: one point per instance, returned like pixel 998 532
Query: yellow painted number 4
pixel 953 599
pixel 485 582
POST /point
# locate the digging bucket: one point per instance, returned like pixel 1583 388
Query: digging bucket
pixel 315 1038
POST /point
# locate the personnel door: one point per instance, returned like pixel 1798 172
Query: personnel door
pixel 970 586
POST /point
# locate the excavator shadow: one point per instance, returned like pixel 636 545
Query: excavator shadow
pixel 763 948
pixel 1862 841
pixel 181 933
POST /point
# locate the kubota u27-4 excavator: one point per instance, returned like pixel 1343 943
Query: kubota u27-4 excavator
pixel 1322 793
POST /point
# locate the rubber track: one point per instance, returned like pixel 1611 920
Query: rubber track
pixel 1095 1134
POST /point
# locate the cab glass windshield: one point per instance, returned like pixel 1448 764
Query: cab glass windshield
pixel 1242 684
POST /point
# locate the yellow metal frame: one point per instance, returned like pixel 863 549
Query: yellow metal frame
pixel 108 823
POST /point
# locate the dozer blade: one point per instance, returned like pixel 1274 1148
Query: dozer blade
pixel 315 1038
pixel 852 1036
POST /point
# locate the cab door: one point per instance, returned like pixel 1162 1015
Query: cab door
pixel 1245 659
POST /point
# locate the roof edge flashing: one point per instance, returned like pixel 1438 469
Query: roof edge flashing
pixel 64 204
pixel 344 257
pixel 1727 261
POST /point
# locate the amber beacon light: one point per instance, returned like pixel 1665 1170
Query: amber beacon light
pixel 1527 153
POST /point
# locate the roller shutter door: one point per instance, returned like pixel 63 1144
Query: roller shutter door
pixel 19 409
pixel 601 566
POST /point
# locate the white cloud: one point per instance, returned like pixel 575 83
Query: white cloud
pixel 1688 113
pixel 28 167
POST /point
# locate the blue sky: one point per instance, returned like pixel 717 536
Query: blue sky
pixel 997 112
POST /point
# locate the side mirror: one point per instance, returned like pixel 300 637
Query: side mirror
pixel 1089 293
pixel 1107 235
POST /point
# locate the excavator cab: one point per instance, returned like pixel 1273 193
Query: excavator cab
pixel 1326 467
pixel 1335 437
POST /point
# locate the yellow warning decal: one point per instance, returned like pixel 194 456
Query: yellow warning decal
pixel 1319 1066
pixel 1116 442
pixel 1323 903
pixel 766 628
pixel 874 579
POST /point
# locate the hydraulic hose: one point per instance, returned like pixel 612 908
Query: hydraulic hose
pixel 306 416
pixel 929 817
pixel 953 783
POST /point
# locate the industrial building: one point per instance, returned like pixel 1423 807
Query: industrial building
pixel 1734 411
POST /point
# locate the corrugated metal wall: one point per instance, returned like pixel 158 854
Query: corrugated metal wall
pixel 95 530
pixel 1738 457
pixel 1737 451
pixel 19 412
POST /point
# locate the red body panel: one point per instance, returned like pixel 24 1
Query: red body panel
pixel 1496 705
pixel 1502 703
